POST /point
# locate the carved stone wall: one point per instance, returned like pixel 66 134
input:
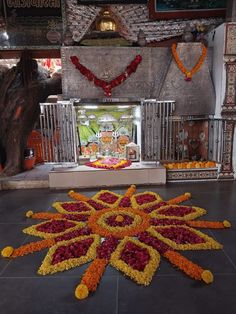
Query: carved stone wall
pixel 107 63
pixel 157 76
pixel 133 17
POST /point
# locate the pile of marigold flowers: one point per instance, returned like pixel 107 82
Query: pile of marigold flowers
pixel 190 165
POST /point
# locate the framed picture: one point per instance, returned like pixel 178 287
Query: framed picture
pixel 33 23
pixel 173 9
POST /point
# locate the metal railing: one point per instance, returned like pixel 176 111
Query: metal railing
pixel 58 129
pixel 157 130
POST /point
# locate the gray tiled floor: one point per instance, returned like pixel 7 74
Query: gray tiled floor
pixel 171 292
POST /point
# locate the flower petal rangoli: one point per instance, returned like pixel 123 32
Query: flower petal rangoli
pixel 129 232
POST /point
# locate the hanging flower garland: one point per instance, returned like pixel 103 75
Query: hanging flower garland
pixel 189 73
pixel 107 86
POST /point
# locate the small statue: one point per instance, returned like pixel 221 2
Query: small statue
pixel 142 38
pixel 187 35
pixel 68 38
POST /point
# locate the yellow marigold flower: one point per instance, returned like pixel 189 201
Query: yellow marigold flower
pixel 7 251
pixel 29 213
pixel 81 292
pixel 187 194
pixel 227 224
pixel 119 218
pixel 207 276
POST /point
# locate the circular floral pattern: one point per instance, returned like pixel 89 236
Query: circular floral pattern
pixel 105 222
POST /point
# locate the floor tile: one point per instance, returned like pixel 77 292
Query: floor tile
pixel 178 295
pixel 55 296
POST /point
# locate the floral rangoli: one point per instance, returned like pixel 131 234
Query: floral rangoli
pixel 129 232
pixel 110 163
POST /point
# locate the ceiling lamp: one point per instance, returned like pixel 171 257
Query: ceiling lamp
pixel 106 23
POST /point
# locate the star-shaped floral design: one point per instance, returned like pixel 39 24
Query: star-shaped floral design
pixel 130 232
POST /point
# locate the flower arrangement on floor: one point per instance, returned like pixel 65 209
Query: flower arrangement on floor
pixel 129 232
pixel 190 165
pixel 109 163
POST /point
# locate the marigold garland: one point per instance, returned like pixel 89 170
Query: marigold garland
pixel 78 196
pixel 208 224
pixel 32 247
pixel 179 199
pixel 93 274
pixel 190 165
pixel 131 190
pixel 193 270
pixel 45 216
pixel 195 69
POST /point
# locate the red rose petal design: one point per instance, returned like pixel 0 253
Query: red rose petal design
pixel 135 256
pixel 55 226
pixel 180 235
pixel 72 250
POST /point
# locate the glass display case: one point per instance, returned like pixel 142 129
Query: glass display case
pixel 105 130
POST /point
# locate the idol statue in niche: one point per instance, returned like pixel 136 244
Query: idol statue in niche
pixel 132 152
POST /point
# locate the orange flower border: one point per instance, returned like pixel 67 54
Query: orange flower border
pixel 189 268
pixel 98 225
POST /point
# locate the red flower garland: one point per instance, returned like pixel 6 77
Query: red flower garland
pixel 107 86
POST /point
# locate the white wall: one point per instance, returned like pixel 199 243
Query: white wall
pixel 216 40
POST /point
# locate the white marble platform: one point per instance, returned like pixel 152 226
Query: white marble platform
pixel 84 177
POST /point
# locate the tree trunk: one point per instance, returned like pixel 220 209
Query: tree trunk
pixel 22 89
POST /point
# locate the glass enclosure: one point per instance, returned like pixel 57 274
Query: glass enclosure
pixel 105 130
